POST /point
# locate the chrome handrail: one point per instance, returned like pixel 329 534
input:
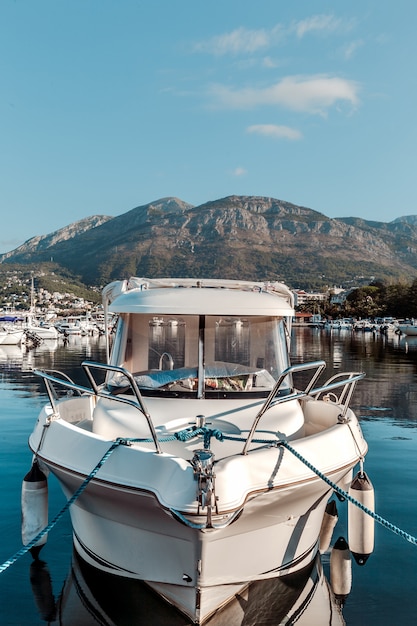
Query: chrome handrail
pixel 348 385
pixel 272 400
pixel 97 390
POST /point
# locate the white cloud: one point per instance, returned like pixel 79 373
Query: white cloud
pixel 239 171
pixel 275 131
pixel 245 40
pixel 314 94
pixel 350 49
pixel 236 42
pixel 270 63
pixel 317 23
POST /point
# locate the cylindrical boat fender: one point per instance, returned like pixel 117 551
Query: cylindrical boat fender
pixel 361 525
pixel 341 570
pixel 34 507
pixel 328 524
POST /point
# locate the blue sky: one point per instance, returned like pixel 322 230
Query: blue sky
pixel 106 105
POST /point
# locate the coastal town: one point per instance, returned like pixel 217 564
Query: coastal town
pixel 33 308
pixel 22 294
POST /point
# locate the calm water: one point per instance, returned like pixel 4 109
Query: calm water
pixel 384 592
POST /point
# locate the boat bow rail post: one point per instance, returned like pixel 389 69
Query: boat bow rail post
pixel 60 379
pixel 98 390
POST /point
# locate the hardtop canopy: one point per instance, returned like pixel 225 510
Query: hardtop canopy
pixel 198 297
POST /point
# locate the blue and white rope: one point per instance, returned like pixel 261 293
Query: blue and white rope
pixel 56 519
pixel 348 497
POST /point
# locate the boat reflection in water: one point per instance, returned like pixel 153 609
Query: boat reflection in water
pixel 91 596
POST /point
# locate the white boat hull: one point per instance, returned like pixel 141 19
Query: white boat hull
pixel 124 526
pixel 11 337
pixel 205 466
pixel 304 598
pixel 43 332
pixel 196 571
pixel 407 329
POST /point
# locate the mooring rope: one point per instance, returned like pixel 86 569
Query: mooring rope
pixel 57 517
pixel 348 497
pixel 207 433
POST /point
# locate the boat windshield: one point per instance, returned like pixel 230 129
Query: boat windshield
pixel 201 355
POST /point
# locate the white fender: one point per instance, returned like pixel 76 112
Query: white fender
pixel 34 507
pixel 361 525
pixel 340 570
pixel 330 518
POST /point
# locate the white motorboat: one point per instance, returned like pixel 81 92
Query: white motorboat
pixel 43 331
pixel 406 328
pixel 10 336
pixel 195 458
pixel 70 326
pixel 339 324
pixel 77 326
pixel 33 326
pixel 364 326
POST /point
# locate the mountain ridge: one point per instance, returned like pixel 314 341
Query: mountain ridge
pixel 253 237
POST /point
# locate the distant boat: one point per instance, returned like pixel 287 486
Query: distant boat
pixel 340 324
pixel 43 331
pixel 10 335
pixel 406 329
pixel 365 326
pixel 78 325
pixel 70 326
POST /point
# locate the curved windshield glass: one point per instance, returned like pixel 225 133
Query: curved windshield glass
pixel 202 354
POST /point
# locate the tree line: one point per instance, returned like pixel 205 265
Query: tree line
pixel 377 299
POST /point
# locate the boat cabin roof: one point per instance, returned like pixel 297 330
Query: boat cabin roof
pixel 199 297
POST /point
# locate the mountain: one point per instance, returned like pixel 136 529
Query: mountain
pixel 408 219
pixel 45 242
pixel 250 237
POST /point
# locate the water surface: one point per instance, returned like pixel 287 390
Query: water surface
pixel 64 591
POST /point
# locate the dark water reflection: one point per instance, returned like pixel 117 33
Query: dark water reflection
pixel 63 590
pixel 390 365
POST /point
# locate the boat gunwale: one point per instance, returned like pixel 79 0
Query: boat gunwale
pixel 123 487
